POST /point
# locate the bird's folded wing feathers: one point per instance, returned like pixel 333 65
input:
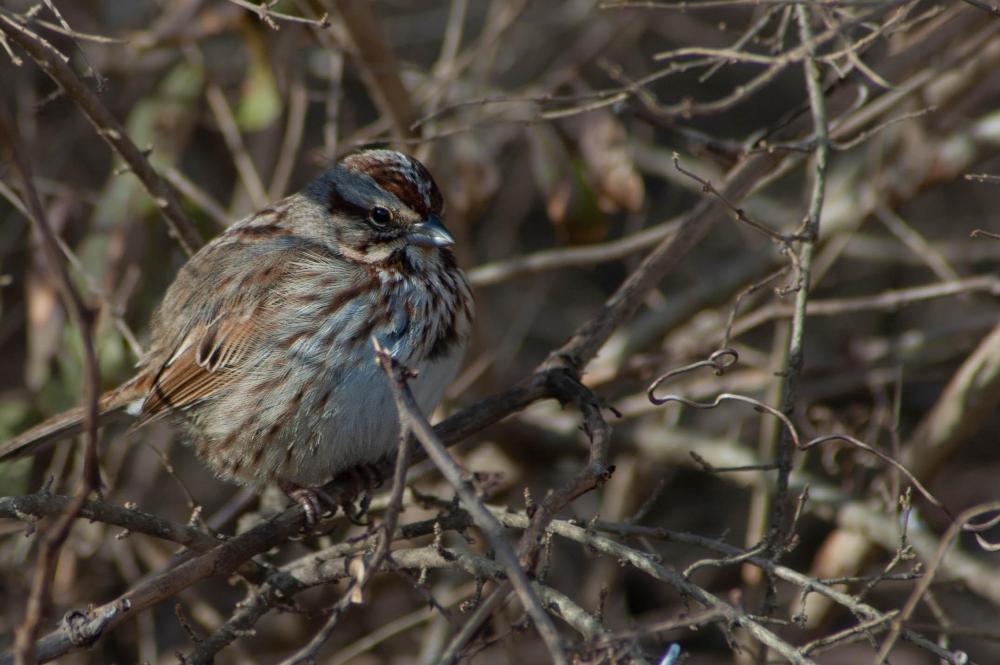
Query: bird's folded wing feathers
pixel 207 360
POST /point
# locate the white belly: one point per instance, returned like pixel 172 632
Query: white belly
pixel 359 423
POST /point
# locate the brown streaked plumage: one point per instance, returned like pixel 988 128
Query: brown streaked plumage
pixel 263 341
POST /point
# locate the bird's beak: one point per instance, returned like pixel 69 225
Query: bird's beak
pixel 430 233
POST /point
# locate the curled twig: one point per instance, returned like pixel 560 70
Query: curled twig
pixel 979 528
pixel 794 435
pixel 719 361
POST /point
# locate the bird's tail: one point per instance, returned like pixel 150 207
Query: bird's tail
pixel 111 407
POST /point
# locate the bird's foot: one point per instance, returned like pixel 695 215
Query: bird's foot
pixel 313 501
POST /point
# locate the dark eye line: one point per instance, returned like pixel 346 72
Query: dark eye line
pixel 340 204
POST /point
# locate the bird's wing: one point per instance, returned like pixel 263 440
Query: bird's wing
pixel 207 359
pixel 213 321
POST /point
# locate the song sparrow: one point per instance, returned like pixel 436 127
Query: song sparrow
pixel 262 344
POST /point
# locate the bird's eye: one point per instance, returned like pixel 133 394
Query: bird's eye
pixel 379 216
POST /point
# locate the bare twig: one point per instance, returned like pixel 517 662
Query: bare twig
pixel 297 107
pixel 198 196
pixel 108 128
pixel 92 285
pixel 570 257
pixel 809 237
pixel 54 536
pixel 888 301
pixel 44 504
pixel 649 566
pixel 414 421
pixel 719 361
pixel 801 580
pixel 368 565
pixel 983 177
pixel 268 15
pixel 792 433
pixel 741 215
pixel 985 6
pixel 378 65
pixel 63 30
pixel 947 539
pixel 245 166
pixel 88 625
pixel 981 233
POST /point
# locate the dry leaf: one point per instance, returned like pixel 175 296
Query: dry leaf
pixel 608 164
pixel 356 569
pixel 568 197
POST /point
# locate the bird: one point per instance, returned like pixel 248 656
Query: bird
pixel 262 347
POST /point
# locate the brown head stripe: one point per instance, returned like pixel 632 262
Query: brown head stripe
pixel 406 178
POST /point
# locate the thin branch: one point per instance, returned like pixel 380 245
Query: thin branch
pixel 108 128
pixel 490 274
pixel 809 237
pixel 88 625
pixel 648 565
pixel 861 609
pixel 92 286
pixel 69 32
pixel 298 104
pixel 370 565
pixel 925 581
pixel 983 177
pixel 887 301
pixel 792 433
pixel 267 15
pixel 55 535
pixel 981 233
pixel 413 420
pixel 198 196
pixel 226 122
pixel 968 400
pixel 30 507
pixel 379 68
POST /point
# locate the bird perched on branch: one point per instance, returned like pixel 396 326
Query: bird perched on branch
pixel 262 346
